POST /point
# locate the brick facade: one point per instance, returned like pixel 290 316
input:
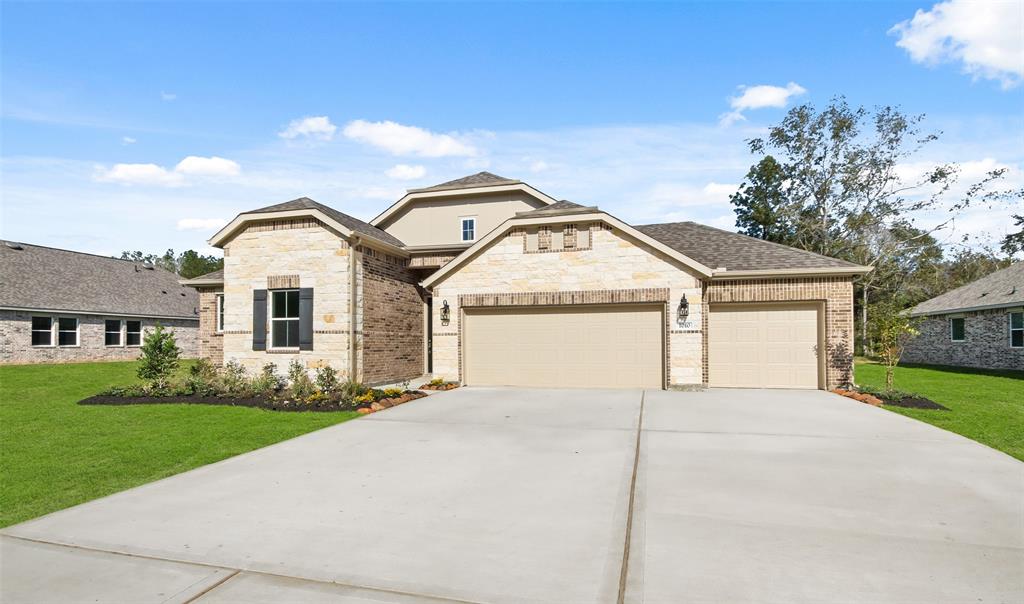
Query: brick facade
pixel 16 339
pixel 835 292
pixel 986 342
pixel 211 342
pixel 392 319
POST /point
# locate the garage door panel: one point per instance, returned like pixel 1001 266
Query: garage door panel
pixel 612 347
pixel 763 346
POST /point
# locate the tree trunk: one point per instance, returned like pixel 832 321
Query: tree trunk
pixel 866 349
pixel 888 378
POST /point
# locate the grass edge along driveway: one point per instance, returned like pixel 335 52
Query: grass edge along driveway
pixel 984 405
pixel 55 454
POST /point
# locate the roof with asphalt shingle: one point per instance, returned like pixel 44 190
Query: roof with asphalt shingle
pixel 716 249
pixel 216 276
pixel 1003 288
pixel 350 222
pixel 558 208
pixel 480 179
pixel 46 278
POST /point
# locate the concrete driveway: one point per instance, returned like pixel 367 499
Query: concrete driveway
pixel 565 496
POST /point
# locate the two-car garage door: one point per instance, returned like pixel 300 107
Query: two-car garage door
pixel 577 347
pixel 764 346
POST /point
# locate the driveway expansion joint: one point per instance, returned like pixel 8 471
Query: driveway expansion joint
pixel 624 573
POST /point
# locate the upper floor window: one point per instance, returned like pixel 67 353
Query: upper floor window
pixel 112 332
pixel 42 331
pixel 468 229
pixel 1017 329
pixel 220 312
pixel 284 318
pixel 957 330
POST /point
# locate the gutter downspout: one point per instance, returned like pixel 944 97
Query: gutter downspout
pixel 353 307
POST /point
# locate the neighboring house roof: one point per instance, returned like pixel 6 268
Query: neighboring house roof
pixel 351 222
pixel 558 208
pixel 1002 289
pixel 735 252
pixel 480 179
pixel 211 278
pixel 49 279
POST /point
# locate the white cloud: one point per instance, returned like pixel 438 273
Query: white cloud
pixel 168 96
pixel 140 174
pixel 406 172
pixel 987 38
pixel 208 166
pixel 201 224
pixel 539 166
pixel 407 140
pixel 152 174
pixel 127 140
pixel 759 97
pixel 314 127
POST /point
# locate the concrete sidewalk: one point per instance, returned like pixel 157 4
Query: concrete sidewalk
pixel 510 495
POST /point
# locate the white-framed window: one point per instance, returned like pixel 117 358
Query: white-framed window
pixel 1017 329
pixel 67 331
pixel 284 318
pixel 133 333
pixel 220 312
pixel 113 332
pixel 468 228
pixel 957 329
pixel 42 331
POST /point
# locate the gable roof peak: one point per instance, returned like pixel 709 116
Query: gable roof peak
pixel 480 179
pixel 350 222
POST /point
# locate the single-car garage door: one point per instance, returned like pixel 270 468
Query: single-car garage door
pixel 576 347
pixel 764 346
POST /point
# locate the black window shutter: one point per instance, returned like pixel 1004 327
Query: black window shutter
pixel 306 318
pixel 259 319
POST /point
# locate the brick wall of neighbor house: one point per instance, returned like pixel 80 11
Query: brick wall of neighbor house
pixel 211 343
pixel 986 345
pixel 286 251
pixel 612 262
pixel 837 294
pixel 16 339
pixel 392 319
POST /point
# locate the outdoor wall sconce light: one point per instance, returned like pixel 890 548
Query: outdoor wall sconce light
pixel 683 312
pixel 446 313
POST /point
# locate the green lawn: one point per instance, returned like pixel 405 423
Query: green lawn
pixel 987 406
pixel 55 454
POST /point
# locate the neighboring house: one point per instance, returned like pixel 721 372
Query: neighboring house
pixel 488 281
pixel 59 306
pixel 978 325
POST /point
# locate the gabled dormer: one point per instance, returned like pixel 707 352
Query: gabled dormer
pixel 455 214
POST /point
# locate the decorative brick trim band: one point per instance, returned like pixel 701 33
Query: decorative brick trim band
pixel 599 296
pixel 305 222
pixel 282 281
pixel 333 331
pixel 430 261
pixel 238 332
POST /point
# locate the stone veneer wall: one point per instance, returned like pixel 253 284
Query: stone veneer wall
pixel 302 249
pixel 392 319
pixel 211 343
pixel 613 261
pixel 835 292
pixel 16 339
pixel 986 344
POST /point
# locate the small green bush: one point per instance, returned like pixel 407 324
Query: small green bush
pixel 392 392
pixel 159 358
pixel 234 379
pixel 267 382
pixel 327 379
pixel 302 387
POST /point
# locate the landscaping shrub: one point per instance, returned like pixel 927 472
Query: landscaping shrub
pixel 160 354
pixel 327 379
pixel 267 382
pixel 234 379
pixel 298 378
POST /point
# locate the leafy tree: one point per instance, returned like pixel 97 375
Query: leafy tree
pixel 159 358
pixel 761 203
pixel 188 264
pixel 891 329
pixel 1013 243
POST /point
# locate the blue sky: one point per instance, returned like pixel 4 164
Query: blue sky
pixel 640 108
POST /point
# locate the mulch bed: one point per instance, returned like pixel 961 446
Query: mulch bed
pixel 913 402
pixel 271 404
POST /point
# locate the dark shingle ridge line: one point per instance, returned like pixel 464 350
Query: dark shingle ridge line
pixel 67 251
pixel 483 178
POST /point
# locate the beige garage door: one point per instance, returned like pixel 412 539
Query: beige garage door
pixel 579 347
pixel 764 346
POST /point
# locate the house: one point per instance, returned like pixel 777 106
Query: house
pixel 489 281
pixel 978 325
pixel 59 306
